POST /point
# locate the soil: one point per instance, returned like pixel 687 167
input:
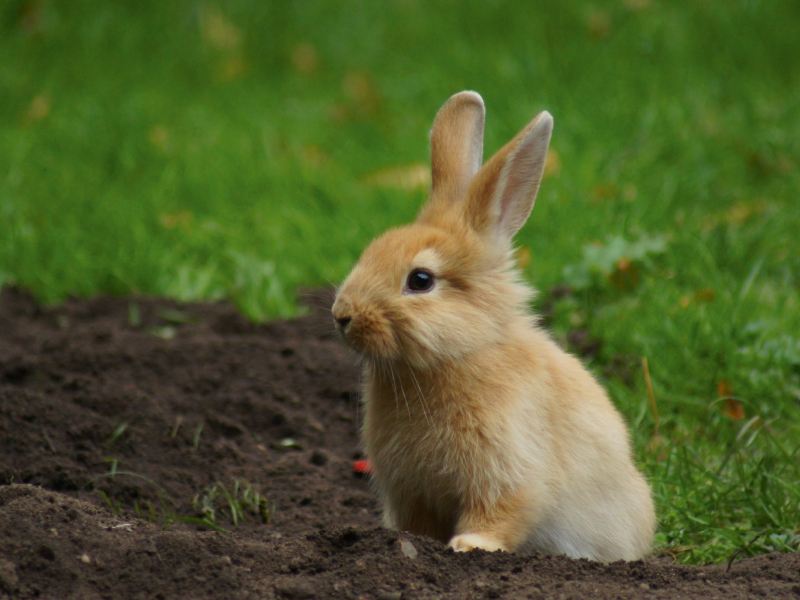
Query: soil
pixel 124 422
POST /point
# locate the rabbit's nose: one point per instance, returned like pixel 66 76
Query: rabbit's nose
pixel 342 322
pixel 342 312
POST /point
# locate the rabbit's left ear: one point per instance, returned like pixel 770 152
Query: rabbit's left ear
pixel 502 194
pixel 456 146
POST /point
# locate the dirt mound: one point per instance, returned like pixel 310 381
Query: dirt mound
pixel 133 430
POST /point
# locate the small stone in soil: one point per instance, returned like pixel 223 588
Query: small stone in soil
pixel 408 549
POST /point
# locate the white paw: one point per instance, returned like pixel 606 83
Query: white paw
pixel 470 541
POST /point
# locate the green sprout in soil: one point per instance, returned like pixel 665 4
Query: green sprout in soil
pixel 240 500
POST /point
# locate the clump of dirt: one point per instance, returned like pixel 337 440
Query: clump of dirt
pixel 156 450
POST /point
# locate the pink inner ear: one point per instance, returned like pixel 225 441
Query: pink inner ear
pixel 521 176
pixel 519 190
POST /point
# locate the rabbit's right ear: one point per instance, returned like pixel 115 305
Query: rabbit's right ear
pixel 502 194
pixel 456 146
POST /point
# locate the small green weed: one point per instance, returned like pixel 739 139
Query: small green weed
pixel 114 472
pixel 117 434
pixel 237 502
pixel 196 437
pixel 114 505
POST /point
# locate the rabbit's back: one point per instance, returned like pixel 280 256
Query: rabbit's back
pixel 601 505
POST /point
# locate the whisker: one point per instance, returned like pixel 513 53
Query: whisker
pixel 358 374
pixel 421 395
pixel 394 387
pixel 383 370
pixel 402 389
pixel 405 398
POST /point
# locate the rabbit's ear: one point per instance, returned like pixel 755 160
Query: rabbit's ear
pixel 502 194
pixel 456 146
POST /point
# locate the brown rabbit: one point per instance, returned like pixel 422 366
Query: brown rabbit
pixel 482 431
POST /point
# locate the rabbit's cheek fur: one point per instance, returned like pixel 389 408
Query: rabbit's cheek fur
pixel 441 328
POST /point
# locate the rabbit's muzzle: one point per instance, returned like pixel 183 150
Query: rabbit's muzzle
pixel 365 328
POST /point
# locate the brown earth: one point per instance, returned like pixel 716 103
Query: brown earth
pixel 120 418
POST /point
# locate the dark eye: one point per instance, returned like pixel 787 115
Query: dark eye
pixel 420 280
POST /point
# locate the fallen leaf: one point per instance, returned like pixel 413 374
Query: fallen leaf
pixel 656 442
pixel 305 58
pixel 182 218
pixel 743 211
pixel 227 42
pixel 603 191
pixel 312 155
pixel 705 295
pixel 230 68
pixel 359 88
pixel 724 388
pixel 408 178
pixel 598 24
pixel 160 138
pixel 38 109
pixel 217 31
pixel 552 164
pixel 34 16
pixel 737 214
pixel 523 256
pixel 733 409
pixel 625 274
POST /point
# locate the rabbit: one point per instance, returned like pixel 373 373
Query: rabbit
pixel 481 431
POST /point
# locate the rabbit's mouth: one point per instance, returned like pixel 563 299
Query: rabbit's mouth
pixel 367 331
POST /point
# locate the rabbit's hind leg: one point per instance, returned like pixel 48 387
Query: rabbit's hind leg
pixel 503 526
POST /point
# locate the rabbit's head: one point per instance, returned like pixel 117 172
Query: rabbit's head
pixel 445 286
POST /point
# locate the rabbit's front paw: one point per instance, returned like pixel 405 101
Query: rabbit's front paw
pixel 470 541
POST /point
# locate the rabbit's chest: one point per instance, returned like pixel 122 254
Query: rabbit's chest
pixel 442 455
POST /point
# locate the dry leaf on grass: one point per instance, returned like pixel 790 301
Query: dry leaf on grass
pixel 408 178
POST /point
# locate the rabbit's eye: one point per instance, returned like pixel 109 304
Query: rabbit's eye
pixel 420 280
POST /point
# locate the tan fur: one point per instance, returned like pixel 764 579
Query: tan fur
pixel 482 432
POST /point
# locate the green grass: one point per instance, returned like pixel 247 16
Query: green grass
pixel 236 150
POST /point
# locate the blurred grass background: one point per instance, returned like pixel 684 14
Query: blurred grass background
pixel 239 149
